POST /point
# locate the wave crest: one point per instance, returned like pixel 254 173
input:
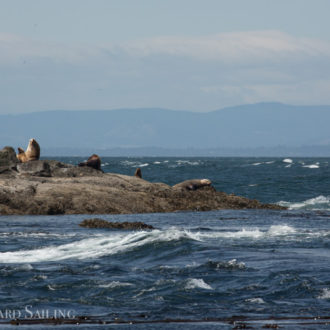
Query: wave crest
pixel 318 203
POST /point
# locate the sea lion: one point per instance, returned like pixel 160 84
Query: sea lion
pixel 193 184
pixel 21 155
pixel 138 173
pixel 93 161
pixel 32 152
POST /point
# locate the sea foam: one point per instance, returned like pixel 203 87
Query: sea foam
pixel 109 244
pixel 95 247
pixel 318 203
pixel 197 283
pixel 312 166
pixel 325 294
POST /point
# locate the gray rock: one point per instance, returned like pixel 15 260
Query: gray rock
pixel 8 159
pixel 52 187
pixel 8 156
pixel 34 168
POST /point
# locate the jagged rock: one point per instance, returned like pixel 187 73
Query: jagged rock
pixel 100 223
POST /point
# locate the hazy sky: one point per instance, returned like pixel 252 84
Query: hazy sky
pixel 184 54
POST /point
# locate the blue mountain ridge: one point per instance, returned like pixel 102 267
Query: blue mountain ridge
pixel 262 125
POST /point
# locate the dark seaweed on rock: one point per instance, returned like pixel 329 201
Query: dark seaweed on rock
pixel 100 223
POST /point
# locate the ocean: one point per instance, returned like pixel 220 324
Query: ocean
pixel 197 270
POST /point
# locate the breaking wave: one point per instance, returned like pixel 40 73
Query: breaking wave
pixel 318 203
pixel 109 244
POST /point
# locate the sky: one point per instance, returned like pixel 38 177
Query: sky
pixel 183 54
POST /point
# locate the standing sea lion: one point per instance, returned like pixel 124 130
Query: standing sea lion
pixel 138 173
pixel 32 152
pixel 93 161
pixel 193 184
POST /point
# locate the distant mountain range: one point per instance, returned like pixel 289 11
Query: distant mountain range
pixel 256 129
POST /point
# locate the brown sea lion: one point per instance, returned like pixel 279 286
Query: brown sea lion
pixel 193 184
pixel 138 173
pixel 93 161
pixel 21 155
pixel 32 152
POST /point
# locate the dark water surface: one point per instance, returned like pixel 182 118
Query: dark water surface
pixel 254 267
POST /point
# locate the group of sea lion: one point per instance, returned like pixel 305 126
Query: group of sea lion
pixel 33 153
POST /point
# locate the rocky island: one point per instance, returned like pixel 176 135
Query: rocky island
pixel 42 187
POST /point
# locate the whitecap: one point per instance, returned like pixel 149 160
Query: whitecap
pixel 255 300
pixel 112 243
pixel 50 288
pixel 128 163
pixel 271 162
pixel 95 247
pixel 157 163
pixel 256 164
pixel 312 166
pixel 325 294
pixel 143 165
pixel 41 277
pixel 279 230
pixel 318 203
pixel 115 284
pixel 253 185
pixel 26 267
pixel 244 233
pixel 197 283
pixel 188 162
pixel 34 235
pixel 234 263
pixel 287 160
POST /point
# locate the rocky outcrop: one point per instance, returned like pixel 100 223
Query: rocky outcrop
pixel 103 224
pixel 52 187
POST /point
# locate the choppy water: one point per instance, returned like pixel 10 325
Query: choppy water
pixel 256 266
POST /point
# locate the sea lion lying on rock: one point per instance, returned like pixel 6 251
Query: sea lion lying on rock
pixel 32 152
pixel 193 184
pixel 138 173
pixel 93 161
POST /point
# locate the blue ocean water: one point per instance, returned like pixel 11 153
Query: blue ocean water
pixel 226 268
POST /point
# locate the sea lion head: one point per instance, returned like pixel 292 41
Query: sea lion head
pixel 206 182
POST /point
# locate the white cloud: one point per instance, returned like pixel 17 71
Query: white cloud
pixel 231 47
pixel 225 47
pixel 193 73
pixel 297 92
